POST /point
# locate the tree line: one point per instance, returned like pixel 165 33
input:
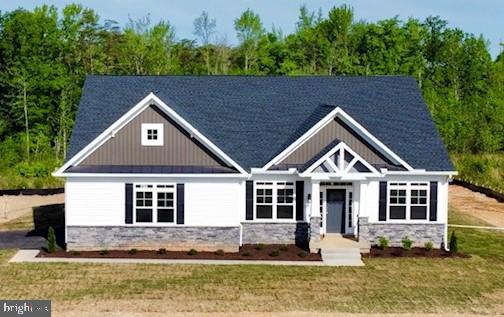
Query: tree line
pixel 45 55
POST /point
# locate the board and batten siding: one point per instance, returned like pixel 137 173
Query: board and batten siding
pixel 334 130
pixel 125 148
pixel 102 202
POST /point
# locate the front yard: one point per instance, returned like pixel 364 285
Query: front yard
pixel 473 285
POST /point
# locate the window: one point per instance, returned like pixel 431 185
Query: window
pixel 350 209
pixel 408 201
pixel 285 200
pixel 418 202
pixel 154 203
pixel 275 200
pixel 152 134
pixel 321 209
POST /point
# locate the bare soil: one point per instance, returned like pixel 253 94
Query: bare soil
pixel 247 252
pixel 477 205
pixel 397 252
pixel 12 207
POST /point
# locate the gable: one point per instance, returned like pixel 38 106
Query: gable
pixel 125 147
pixel 336 129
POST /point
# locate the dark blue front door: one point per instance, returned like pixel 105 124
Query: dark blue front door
pixel 335 222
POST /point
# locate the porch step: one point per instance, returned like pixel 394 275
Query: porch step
pixel 342 256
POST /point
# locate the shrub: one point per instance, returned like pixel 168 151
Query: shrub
pixel 383 243
pixel 104 252
pixel 303 254
pixel 192 252
pixel 284 247
pixel 453 243
pixel 407 243
pixel 51 240
pixel 275 253
pixel 162 251
pixel 219 252
pixel 259 246
pixel 429 246
pixel 132 251
pixel 246 253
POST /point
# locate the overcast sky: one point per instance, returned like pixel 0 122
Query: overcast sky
pixel 479 17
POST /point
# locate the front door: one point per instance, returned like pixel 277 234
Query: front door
pixel 335 222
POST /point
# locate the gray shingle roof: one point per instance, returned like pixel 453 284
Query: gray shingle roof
pixel 253 118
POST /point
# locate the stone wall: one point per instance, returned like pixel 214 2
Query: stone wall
pixel 419 233
pixel 153 238
pixel 275 233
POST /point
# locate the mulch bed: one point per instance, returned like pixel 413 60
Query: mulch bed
pixel 247 252
pixel 396 252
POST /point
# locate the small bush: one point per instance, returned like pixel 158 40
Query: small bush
pixel 453 243
pixel 303 254
pixel 275 253
pixel 103 252
pixel 133 251
pixel 246 253
pixel 162 251
pixel 259 246
pixel 76 253
pixel 407 243
pixel 219 252
pixel 383 243
pixel 429 246
pixel 284 247
pixel 51 240
pixel 192 252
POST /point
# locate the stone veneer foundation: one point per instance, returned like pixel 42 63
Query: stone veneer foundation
pixel 275 233
pixel 419 233
pixel 81 238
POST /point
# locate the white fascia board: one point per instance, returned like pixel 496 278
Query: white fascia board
pixel 421 172
pixel 323 159
pixel 113 175
pixel 322 123
pixel 130 115
pixel 260 171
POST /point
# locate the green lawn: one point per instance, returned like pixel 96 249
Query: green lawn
pixel 382 286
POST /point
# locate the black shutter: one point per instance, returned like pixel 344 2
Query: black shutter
pixel 299 200
pixel 382 209
pixel 249 200
pixel 180 204
pixel 129 203
pixel 433 201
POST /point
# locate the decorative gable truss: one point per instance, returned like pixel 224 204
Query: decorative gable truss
pixel 341 161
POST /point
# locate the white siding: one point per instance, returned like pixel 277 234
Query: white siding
pixel 214 204
pixel 369 196
pixel 101 202
pixel 94 203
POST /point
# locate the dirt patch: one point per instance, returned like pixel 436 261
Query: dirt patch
pixel 12 207
pixel 396 252
pixel 477 205
pixel 271 252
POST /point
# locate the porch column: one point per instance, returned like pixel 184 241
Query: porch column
pixel 315 215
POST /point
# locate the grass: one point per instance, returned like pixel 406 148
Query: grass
pixel 382 286
pixel 485 170
pixel 458 218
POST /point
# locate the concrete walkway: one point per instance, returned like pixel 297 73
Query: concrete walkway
pixel 30 256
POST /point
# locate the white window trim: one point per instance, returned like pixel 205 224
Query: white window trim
pixel 155 190
pixel 408 187
pixel 160 134
pixel 275 186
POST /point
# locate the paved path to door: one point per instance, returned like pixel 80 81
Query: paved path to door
pixel 19 239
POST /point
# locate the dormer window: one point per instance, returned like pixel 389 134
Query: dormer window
pixel 152 134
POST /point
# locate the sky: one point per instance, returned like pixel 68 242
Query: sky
pixel 484 17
